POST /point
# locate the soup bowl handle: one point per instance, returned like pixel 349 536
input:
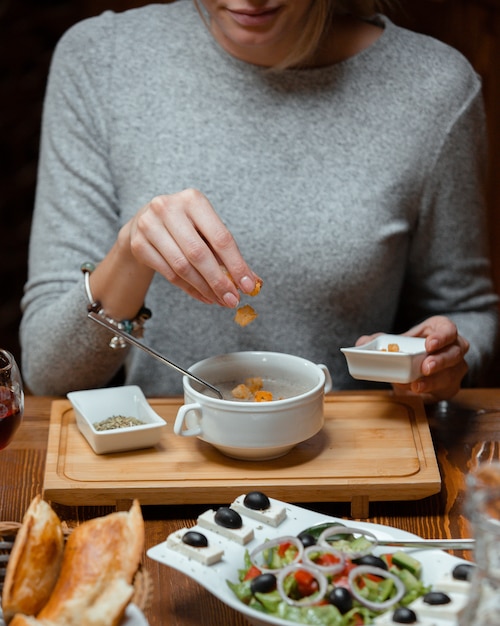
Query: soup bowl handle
pixel 182 414
pixel 328 378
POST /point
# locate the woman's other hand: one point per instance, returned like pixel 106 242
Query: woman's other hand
pixel 444 367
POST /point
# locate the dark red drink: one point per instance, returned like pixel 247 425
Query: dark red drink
pixel 10 416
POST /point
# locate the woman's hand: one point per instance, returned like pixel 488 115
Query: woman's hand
pixel 444 367
pixel 181 237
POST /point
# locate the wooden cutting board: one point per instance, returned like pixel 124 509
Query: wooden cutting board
pixel 372 447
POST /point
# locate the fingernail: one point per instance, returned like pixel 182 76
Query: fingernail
pixel 247 284
pixel 230 300
pixel 433 344
pixel 430 366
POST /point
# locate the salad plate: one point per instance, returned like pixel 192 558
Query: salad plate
pixel 436 564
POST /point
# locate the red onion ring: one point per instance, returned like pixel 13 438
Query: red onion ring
pixel 348 530
pixel 332 568
pixel 271 544
pixel 377 571
pixel 308 600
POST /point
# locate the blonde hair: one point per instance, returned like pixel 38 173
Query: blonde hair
pixel 318 24
pixel 319 19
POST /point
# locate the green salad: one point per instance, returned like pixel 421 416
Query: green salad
pixel 327 576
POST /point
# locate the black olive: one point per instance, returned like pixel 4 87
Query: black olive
pixel 463 571
pixel 404 615
pixel 195 539
pixel 436 597
pixel 371 559
pixel 228 518
pixel 263 583
pixel 257 501
pixel 341 598
pixel 307 539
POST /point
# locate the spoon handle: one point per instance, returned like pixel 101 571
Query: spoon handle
pixel 131 339
pixel 444 544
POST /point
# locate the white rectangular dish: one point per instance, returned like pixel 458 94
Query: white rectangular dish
pixel 376 362
pixel 95 405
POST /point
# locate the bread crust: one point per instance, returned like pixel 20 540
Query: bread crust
pixel 27 620
pixel 34 562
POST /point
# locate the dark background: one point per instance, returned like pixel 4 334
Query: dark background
pixel 29 31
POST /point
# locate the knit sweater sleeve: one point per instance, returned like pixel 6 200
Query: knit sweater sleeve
pixel 75 216
pixel 449 273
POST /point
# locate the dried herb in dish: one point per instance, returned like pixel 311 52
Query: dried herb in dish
pixel 117 421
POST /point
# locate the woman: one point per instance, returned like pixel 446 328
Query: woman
pixel 308 142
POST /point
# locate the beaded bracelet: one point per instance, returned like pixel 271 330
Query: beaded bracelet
pixel 134 327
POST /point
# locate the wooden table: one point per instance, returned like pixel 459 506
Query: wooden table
pixel 466 432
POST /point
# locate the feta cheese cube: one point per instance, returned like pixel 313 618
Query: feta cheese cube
pixel 206 555
pixel 240 535
pixel 273 516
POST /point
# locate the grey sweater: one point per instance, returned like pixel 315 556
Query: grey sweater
pixel 353 190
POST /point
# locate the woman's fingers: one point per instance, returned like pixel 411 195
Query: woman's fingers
pixel 181 237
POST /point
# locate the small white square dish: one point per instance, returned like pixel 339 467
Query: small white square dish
pixel 96 405
pixel 387 359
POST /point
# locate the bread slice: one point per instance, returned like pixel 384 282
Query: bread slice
pixel 102 605
pixel 34 562
pixel 100 560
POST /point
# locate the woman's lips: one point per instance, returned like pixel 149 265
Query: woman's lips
pixel 254 18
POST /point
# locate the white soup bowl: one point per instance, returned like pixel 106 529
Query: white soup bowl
pixel 254 430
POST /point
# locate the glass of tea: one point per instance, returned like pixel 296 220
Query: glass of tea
pixel 11 398
pixel 482 507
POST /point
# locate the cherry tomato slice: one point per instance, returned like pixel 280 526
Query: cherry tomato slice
pixel 252 573
pixel 282 548
pixel 306 583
